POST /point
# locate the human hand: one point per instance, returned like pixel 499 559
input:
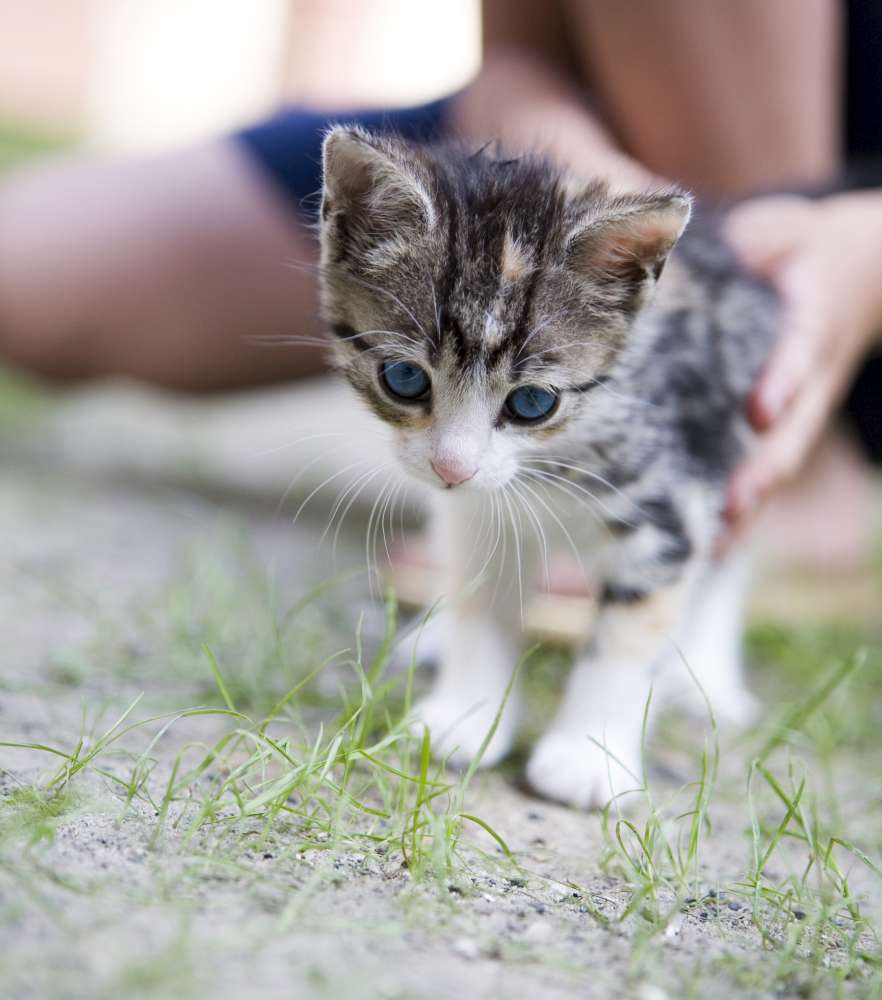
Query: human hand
pixel 824 258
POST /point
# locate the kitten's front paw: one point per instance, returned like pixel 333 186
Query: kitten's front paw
pixel 732 705
pixel 458 726
pixel 736 707
pixel 567 767
pixel 425 647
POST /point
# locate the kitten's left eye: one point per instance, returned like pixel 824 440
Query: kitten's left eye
pixel 404 379
pixel 529 403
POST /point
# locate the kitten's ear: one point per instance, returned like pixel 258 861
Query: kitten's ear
pixel 373 190
pixel 629 241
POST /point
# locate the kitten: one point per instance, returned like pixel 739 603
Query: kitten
pixel 543 375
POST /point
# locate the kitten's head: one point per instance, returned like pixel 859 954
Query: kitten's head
pixel 475 300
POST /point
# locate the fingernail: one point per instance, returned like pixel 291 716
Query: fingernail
pixel 772 397
pixel 742 500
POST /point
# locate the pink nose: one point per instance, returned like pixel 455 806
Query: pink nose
pixel 451 472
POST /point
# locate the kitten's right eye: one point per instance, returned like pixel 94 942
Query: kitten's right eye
pixel 405 380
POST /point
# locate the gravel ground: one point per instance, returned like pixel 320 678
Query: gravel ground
pixel 93 571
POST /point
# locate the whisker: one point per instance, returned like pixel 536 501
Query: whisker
pixel 438 332
pixel 370 534
pixel 388 507
pixel 400 342
pixel 326 482
pixel 602 383
pixel 293 444
pixel 517 548
pixel 503 536
pixel 341 499
pixel 363 481
pixel 560 524
pixel 587 472
pixel 299 475
pixel 287 339
pixel 487 515
pixel 558 347
pixel 319 269
pixel 536 525
pixel 567 486
pixel 402 508
pixel 537 330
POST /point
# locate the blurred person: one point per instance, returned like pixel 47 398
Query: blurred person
pixel 167 269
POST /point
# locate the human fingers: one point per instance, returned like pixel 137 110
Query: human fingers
pixel 782 451
pixel 763 231
pixel 801 344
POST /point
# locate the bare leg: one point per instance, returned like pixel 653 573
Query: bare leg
pixel 158 269
pixel 726 97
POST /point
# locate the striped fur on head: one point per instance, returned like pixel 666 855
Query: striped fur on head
pixel 489 272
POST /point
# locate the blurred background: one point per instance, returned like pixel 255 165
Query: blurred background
pixel 143 75
pixel 130 77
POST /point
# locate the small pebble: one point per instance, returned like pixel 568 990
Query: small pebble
pixel 649 991
pixel 735 905
pixel 539 932
pixel 493 950
pixel 673 929
pixel 466 948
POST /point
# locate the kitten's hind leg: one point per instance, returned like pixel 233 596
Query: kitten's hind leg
pixel 711 645
pixel 486 567
pixel 591 753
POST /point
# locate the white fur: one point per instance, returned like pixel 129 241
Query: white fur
pixel 479 631
pixel 592 749
pixel 462 432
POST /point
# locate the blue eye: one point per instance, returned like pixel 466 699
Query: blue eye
pixel 530 403
pixel 404 379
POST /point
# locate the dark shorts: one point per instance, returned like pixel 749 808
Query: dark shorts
pixel 287 148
